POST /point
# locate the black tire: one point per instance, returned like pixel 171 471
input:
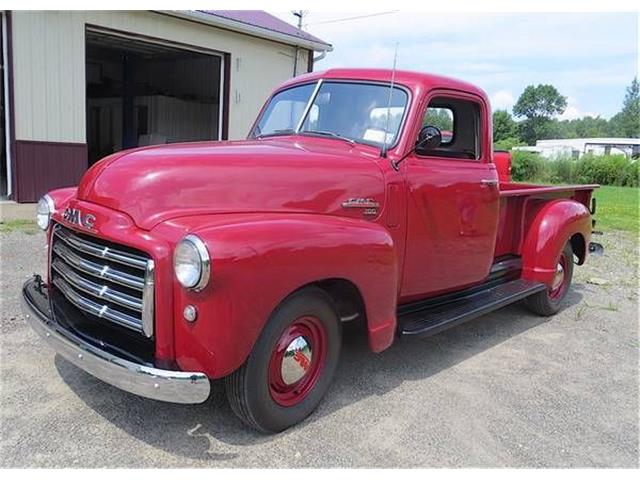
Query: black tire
pixel 248 388
pixel 545 303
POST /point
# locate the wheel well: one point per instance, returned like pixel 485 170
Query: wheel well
pixel 579 247
pixel 346 297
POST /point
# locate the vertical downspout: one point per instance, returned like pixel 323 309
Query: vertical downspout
pixel 309 61
pixel 295 62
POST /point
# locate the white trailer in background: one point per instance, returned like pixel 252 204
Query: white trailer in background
pixel 576 147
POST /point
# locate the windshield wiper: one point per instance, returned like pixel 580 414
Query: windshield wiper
pixel 275 133
pixel 326 133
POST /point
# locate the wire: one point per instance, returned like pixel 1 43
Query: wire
pixel 346 19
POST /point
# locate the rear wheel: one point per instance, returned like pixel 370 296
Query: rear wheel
pixel 291 365
pixel 548 302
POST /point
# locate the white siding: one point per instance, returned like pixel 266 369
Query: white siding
pixel 49 67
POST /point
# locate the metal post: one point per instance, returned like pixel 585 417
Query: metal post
pixel 7 99
pixel 129 139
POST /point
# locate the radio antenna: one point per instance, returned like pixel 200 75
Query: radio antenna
pixel 383 150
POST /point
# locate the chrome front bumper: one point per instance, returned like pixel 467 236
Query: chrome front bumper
pixel 150 382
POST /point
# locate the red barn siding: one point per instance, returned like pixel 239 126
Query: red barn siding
pixel 43 166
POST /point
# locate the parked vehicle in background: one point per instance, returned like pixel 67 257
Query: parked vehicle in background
pixel 553 149
pixel 176 264
pixel 502 161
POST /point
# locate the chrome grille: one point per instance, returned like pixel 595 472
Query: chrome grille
pixel 107 281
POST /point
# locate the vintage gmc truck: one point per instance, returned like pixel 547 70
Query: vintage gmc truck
pixel 173 265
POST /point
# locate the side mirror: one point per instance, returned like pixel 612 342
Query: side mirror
pixel 430 137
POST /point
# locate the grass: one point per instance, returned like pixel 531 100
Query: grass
pixel 617 208
pixel 26 226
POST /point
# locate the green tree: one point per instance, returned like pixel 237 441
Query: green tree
pixel 439 117
pixel 504 126
pixel 538 105
pixel 586 127
pixel 626 123
pixel 591 127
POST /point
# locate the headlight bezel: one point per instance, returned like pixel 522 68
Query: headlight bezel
pixel 51 208
pixel 204 258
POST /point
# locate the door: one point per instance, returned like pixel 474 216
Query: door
pixel 453 201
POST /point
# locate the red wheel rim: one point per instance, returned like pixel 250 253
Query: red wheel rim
pixel 559 284
pixel 297 361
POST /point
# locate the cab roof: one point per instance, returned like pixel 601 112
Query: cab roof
pixel 406 78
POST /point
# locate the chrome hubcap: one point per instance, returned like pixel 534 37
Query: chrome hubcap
pixel 558 278
pixel 296 360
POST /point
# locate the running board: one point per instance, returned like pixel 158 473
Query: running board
pixel 442 315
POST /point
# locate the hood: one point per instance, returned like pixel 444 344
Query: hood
pixel 292 174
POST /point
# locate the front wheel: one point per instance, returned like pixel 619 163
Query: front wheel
pixel 291 365
pixel 548 302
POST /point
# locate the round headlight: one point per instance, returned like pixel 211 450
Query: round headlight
pixel 191 263
pixel 44 211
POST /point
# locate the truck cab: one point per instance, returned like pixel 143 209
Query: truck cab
pixel 359 195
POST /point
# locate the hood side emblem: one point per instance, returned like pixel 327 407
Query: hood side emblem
pixel 369 205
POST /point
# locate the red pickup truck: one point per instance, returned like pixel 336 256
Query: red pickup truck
pixel 174 265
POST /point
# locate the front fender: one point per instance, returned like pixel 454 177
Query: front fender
pixel 257 260
pixel 61 196
pixel 552 227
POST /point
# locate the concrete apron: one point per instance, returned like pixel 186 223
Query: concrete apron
pixel 17 211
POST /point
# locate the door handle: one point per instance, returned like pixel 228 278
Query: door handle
pixel 489 182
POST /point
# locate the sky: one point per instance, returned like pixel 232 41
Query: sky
pixel 589 57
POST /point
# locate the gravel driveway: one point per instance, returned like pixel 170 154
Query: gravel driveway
pixel 508 389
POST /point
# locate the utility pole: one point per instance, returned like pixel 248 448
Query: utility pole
pixel 300 14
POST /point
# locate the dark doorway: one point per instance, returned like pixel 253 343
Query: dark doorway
pixel 141 93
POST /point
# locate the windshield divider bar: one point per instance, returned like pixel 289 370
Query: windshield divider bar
pixel 307 108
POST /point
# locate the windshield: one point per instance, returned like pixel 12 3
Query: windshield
pixel 284 111
pixel 349 110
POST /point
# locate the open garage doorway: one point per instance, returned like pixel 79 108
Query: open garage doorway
pixel 145 93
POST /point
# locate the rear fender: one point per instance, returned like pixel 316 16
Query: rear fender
pixel 258 260
pixel 553 226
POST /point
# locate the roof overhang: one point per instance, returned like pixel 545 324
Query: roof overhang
pixel 253 30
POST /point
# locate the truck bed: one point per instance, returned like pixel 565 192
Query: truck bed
pixel 519 204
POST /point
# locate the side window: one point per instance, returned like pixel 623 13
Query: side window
pixel 459 123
